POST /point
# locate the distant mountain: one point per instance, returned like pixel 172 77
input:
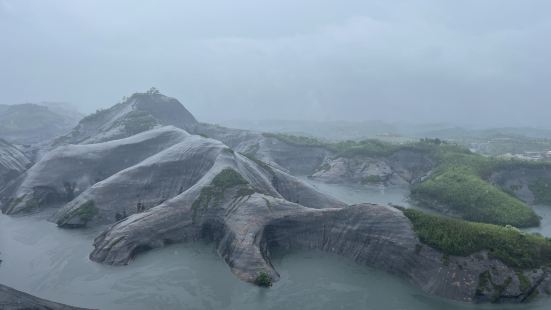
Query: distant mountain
pixel 31 123
pixel 140 112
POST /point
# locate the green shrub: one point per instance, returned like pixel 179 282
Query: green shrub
pixel 86 211
pixel 263 279
pixel 224 180
pixel 461 238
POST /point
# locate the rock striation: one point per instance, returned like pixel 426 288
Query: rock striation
pixel 13 162
pixel 11 299
pixel 138 113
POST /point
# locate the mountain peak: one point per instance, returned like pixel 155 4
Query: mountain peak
pixel 137 113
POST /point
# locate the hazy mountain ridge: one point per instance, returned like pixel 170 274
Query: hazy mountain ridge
pixel 31 123
pixel 140 112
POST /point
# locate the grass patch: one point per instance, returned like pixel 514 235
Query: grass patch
pixel 85 212
pixel 372 179
pixel 461 238
pixel 263 279
pixel 474 199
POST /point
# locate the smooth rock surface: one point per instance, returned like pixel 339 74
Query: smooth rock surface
pixel 11 299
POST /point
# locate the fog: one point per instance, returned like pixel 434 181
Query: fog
pixel 472 62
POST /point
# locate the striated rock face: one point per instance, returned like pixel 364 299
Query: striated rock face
pixel 12 162
pixel 105 182
pixel 11 299
pixel 140 112
pixel 64 173
pixel 180 174
pixel 246 228
pixel 293 158
pixel 404 167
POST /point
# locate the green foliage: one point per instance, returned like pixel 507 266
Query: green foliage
pixel 461 238
pixel 371 179
pixel 137 121
pixel 541 188
pixel 458 182
pixel 86 211
pixel 263 279
pixel 524 283
pixel 224 180
pixel 98 115
pixel 484 281
pixel 474 199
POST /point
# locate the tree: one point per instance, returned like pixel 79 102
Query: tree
pixel 153 91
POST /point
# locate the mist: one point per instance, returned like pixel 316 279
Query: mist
pixel 472 63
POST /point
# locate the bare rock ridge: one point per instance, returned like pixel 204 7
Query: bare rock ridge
pixel 13 162
pixel 403 167
pixel 140 112
pixel 65 172
pixel 246 228
pixel 11 299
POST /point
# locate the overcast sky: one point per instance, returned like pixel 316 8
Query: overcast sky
pixel 469 62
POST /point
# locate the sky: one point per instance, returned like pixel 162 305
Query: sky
pixel 470 62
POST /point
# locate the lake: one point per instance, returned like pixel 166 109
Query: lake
pixel 53 263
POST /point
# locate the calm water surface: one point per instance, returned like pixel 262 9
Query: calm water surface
pixel 53 263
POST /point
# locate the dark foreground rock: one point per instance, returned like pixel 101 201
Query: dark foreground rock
pixel 11 299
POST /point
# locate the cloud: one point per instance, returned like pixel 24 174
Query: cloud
pixel 469 62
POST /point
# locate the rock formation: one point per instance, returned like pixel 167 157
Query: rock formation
pixel 140 112
pixel 11 299
pixel 12 162
pixel 156 185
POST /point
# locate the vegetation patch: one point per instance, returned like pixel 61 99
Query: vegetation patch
pixel 373 179
pixel 541 188
pixel 137 121
pixel 461 238
pixel 263 279
pixel 214 192
pixel 85 212
pixel 524 283
pixel 459 189
pixel 459 180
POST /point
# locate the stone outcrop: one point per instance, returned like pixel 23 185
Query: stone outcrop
pixel 138 113
pixel 64 173
pixel 12 162
pixel 11 299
